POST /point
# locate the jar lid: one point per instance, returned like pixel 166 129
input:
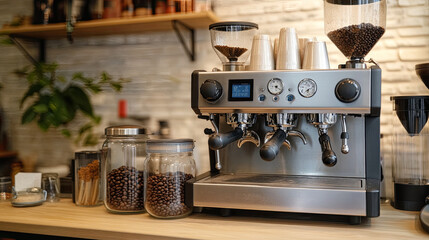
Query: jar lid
pixel 170 145
pixel 5 179
pixel 125 130
pixel 87 155
pixel 352 2
pixel 225 26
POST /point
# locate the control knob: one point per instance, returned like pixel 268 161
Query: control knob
pixel 211 90
pixel 347 90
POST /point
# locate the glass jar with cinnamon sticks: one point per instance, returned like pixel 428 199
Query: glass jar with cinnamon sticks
pixel 87 179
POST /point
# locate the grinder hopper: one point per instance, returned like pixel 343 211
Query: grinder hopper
pixel 231 42
pixel 413 111
pixel 355 26
pixel 410 154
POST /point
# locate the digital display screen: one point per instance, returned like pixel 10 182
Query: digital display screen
pixel 240 90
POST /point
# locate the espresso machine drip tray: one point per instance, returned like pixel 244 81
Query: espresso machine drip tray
pixel 287 181
pixel 281 193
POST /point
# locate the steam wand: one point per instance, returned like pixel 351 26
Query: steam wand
pixel 218 165
pixel 344 135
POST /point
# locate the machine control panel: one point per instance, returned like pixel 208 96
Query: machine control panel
pixel 309 91
pixel 347 90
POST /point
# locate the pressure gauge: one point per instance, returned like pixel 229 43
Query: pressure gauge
pixel 307 87
pixel 275 86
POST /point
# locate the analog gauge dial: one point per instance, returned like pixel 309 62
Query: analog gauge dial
pixel 275 86
pixel 307 87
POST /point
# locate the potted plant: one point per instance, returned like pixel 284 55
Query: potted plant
pixel 53 101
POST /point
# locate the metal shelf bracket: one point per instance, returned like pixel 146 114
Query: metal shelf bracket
pixel 190 50
pixel 42 49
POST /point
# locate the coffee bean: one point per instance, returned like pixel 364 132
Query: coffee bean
pixel 125 189
pixel 355 41
pixel 165 194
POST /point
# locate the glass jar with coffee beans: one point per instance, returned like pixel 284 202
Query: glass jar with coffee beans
pixel 169 165
pixel 124 153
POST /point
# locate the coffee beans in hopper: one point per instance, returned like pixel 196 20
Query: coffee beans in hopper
pixel 125 189
pixel 165 194
pixel 356 40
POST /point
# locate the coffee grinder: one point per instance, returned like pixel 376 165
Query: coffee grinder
pixel 303 141
pixel 410 147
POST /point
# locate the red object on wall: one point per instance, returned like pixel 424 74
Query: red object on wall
pixel 122 108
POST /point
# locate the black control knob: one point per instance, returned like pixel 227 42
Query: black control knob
pixel 211 90
pixel 347 90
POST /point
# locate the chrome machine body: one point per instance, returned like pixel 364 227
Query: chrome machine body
pixel 302 141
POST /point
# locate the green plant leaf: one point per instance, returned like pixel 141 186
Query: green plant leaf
pixel 81 99
pixel 94 88
pixel 44 122
pixel 34 88
pixel 23 72
pixel 105 77
pixel 85 128
pixel 40 108
pixel 28 116
pixel 90 140
pixel 97 119
pixel 66 133
pixel 58 107
pixel 6 41
pixel 116 86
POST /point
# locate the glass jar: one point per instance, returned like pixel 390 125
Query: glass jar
pixel 51 184
pixel 123 154
pixel 5 188
pixel 169 165
pixel 87 178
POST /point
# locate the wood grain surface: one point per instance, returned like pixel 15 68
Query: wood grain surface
pixel 66 219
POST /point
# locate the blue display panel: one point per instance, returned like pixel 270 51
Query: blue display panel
pixel 240 90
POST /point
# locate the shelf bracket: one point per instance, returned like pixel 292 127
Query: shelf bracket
pixel 42 49
pixel 190 50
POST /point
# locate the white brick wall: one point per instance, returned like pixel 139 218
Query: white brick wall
pixel 161 71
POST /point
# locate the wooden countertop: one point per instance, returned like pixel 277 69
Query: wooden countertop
pixel 66 219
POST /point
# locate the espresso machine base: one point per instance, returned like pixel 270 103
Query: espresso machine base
pixel 279 193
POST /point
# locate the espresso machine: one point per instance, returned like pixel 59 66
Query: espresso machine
pixel 302 141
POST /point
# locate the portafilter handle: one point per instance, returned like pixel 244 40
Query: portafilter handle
pixel 271 148
pixel 220 140
pixel 329 157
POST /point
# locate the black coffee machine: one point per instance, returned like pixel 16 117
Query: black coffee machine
pixel 410 150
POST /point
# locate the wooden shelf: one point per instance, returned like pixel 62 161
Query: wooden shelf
pixel 113 26
pixel 8 154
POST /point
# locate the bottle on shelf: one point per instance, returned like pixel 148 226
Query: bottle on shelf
pixel 142 7
pixel 80 11
pixel 160 6
pixel 127 8
pixel 96 8
pixel 112 9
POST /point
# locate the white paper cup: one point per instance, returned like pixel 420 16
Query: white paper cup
pixel 262 56
pixel 316 56
pixel 302 44
pixel 288 53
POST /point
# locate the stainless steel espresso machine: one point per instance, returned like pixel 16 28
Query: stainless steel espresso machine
pixel 304 141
